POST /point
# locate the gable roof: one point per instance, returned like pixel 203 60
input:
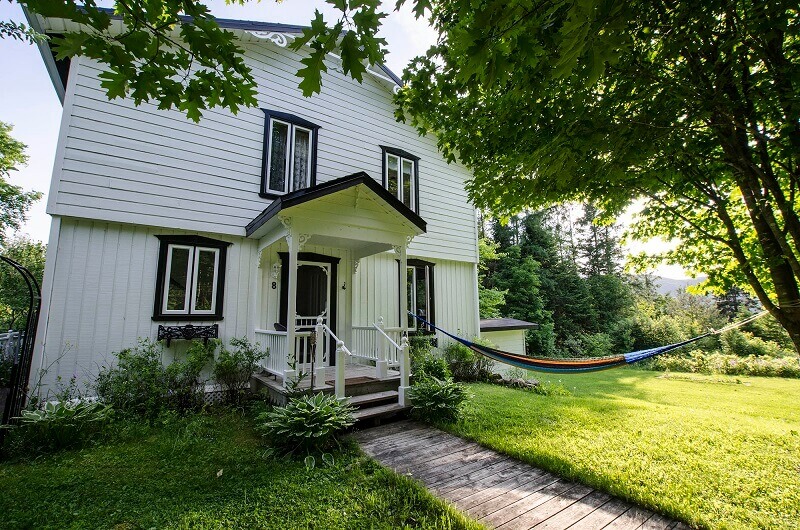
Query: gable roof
pixel 59 82
pixel 506 324
pixel 304 195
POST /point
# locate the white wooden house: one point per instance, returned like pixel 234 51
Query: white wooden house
pixel 264 223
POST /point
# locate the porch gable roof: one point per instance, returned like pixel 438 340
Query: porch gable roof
pixel 324 189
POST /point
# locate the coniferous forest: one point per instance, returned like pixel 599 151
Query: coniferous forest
pixel 565 271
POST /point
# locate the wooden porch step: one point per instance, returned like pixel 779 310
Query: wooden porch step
pixel 382 411
pixel 371 399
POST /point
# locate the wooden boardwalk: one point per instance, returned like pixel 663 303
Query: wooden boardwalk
pixel 497 490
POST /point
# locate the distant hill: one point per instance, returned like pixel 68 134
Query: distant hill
pixel 670 285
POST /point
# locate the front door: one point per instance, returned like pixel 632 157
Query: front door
pixel 313 291
pixel 315 296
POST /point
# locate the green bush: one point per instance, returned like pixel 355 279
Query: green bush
pixel 419 347
pixel 437 400
pixel 700 362
pixel 141 385
pixel 431 365
pixel 466 365
pixel 185 387
pixel 307 424
pixel 138 384
pixel 234 368
pixel 58 425
pixel 744 344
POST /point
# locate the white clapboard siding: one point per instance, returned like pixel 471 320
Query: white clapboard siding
pixel 137 164
pixel 100 299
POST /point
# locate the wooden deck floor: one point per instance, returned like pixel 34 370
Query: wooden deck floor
pixel 497 490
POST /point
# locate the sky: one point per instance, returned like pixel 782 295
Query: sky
pixel 29 102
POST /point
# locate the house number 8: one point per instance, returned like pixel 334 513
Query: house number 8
pixel 274 285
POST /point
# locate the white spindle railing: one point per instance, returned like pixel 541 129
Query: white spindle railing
pixel 365 343
pixel 275 342
pixel 395 336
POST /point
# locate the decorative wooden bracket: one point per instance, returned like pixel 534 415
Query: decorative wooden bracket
pixel 188 332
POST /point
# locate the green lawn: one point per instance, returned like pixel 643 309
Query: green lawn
pixel 713 451
pixel 167 477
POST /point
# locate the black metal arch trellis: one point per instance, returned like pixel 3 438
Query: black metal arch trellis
pixel 21 370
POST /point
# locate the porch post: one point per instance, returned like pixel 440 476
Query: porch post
pixel 405 364
pixel 291 305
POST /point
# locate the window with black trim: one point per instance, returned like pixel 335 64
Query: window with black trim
pixel 190 281
pixel 420 290
pixel 290 154
pixel 401 176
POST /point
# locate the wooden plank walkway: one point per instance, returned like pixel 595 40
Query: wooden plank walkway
pixel 497 490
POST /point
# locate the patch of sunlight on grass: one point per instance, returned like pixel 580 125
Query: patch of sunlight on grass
pixel 715 452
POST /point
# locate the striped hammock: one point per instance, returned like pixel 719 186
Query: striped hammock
pixel 544 364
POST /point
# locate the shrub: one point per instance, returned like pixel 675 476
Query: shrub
pixel 700 362
pixel 306 424
pixel 744 344
pixel 597 344
pixel 437 400
pixel 234 368
pixel 419 347
pixel 185 388
pixel 466 365
pixel 58 425
pixel 138 384
pixel 432 365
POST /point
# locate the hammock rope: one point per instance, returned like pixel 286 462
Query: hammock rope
pixel 572 365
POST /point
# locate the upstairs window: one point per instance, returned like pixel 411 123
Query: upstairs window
pixel 401 175
pixel 290 154
pixel 190 278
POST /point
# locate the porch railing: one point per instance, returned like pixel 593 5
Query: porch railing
pixel 11 345
pixel 278 361
pixel 275 342
pixel 377 343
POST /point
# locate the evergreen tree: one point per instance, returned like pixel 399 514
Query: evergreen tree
pixel 598 248
pixel 490 300
pixel 518 276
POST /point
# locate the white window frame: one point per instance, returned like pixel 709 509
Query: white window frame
pixel 289 166
pixel 400 187
pixel 190 298
pixel 195 276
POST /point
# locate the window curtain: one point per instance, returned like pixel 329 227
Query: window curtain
pixel 302 143
pixel 278 156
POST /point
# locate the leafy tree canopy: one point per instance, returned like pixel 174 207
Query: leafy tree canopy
pixel 14 294
pixel 14 202
pixel 693 106
pixel 173 52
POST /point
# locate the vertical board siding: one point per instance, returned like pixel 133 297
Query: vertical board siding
pixel 104 283
pixel 102 296
pixel 141 165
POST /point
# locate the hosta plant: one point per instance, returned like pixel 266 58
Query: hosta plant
pixel 58 425
pixel 437 400
pixel 307 424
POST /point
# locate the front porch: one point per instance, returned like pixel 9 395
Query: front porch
pixel 319 315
